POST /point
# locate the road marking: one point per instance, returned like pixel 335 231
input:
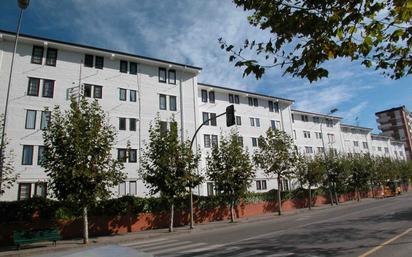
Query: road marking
pixel 174 249
pixel 385 243
pixel 168 245
pixel 151 244
pixel 250 253
pixel 280 254
pixel 144 242
pixel 207 248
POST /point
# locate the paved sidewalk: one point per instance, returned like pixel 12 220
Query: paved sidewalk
pixel 64 245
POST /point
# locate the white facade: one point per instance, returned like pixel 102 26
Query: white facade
pixel 133 90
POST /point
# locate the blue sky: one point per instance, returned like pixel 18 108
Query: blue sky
pixel 187 31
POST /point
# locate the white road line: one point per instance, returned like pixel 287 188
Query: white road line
pixel 255 252
pixel 280 255
pixel 140 246
pixel 144 242
pixel 168 245
pixel 210 247
pixel 219 253
pixel 175 249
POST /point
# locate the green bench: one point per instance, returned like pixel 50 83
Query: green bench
pixel 21 237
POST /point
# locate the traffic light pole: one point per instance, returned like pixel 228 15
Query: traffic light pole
pixel 228 109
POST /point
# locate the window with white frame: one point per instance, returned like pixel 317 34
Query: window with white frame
pixel 30 119
pixel 318 135
pixel 306 134
pixel 261 184
pixel 308 149
pixel 331 138
pixel 132 187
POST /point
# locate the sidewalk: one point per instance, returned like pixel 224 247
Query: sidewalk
pixel 47 247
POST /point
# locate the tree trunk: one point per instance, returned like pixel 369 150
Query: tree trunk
pixel 232 211
pixel 191 208
pixel 310 197
pixel 357 194
pixel 85 226
pixel 172 212
pixel 330 191
pixel 279 196
pixel 336 194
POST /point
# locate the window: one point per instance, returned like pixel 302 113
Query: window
pixel 122 94
pixel 252 122
pixel 97 92
pixel 306 134
pixel 122 188
pixel 204 96
pixel 27 155
pixel 99 62
pixel 254 142
pixel 213 121
pixel 379 149
pixel 250 101
pixel 132 188
pixel 24 191
pixel 132 155
pixel 88 60
pixel 122 123
pixel 87 90
pixel 172 103
pixel 214 140
pixel 30 119
pixel 320 149
pixel 293 118
pixel 133 68
pixel 255 102
pixel 238 120
pixel 162 75
pixel 132 124
pixel 48 88
pixel 365 145
pixel 51 56
pixel 163 127
pixel 172 77
pixel 212 97
pixel 205 117
pixel 237 99
pixel 318 135
pixel 210 189
pixel 308 149
pixel 331 138
pixel 40 155
pixel 206 141
pixel 231 99
pixel 355 143
pixel 285 185
pixel 123 66
pixel 386 150
pixel 132 96
pixel 270 103
pixel 121 154
pixel 37 55
pixel 40 189
pixel 261 185
pixel 257 122
pixel 33 88
pixel 329 123
pixel 276 106
pixel 273 124
pixel 45 119
pixel 316 119
pixel 240 141
pixel 305 118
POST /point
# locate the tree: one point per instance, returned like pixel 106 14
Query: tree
pixel 275 156
pixel 230 168
pixel 77 156
pixel 306 34
pixel 8 175
pixel 168 165
pixel 359 173
pixel 310 172
pixel 336 174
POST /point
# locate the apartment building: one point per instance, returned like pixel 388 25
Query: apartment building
pixel 397 123
pixel 133 90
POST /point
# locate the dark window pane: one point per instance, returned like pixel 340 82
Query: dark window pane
pixel 163 127
pixel 88 60
pixel 33 88
pixel 276 107
pixel 214 140
pixel 48 88
pixel 122 123
pixel 27 158
pixel 132 124
pixel 133 68
pixel 40 155
pixel 172 77
pixel 132 95
pixel 24 191
pixel 240 140
pixel 212 97
pixel 255 102
pixel 51 56
pixel 121 155
pixel 207 141
pixel 236 99
pixel 40 189
pixel 213 119
pixel 37 54
pixel 132 155
pixel 162 102
pixel 238 120
pixel 231 98
pixel 30 119
pixel 205 116
pixel 87 90
pixel 122 94
pixel 270 103
pixel 97 92
pixel 204 96
pixel 250 100
pixel 123 66
pixel 45 119
pixel 99 62
pixel 162 75
pixel 172 103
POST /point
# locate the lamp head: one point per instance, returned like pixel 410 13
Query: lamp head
pixel 23 4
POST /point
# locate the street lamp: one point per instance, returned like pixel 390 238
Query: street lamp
pixel 23 4
pixel 324 154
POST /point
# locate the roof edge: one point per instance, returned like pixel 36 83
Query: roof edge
pixel 318 114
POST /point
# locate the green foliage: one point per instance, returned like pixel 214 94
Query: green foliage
pixel 8 175
pixel 310 171
pixel 77 157
pixel 306 34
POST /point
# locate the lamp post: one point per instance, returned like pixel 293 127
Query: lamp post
pixel 23 4
pixel 324 154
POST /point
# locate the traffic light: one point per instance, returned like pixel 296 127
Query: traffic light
pixel 230 115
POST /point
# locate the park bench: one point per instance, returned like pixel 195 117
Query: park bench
pixel 21 237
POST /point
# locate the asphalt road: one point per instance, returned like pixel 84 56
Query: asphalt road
pixel 369 228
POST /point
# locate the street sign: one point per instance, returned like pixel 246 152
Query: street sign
pixel 230 115
pixel 75 92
